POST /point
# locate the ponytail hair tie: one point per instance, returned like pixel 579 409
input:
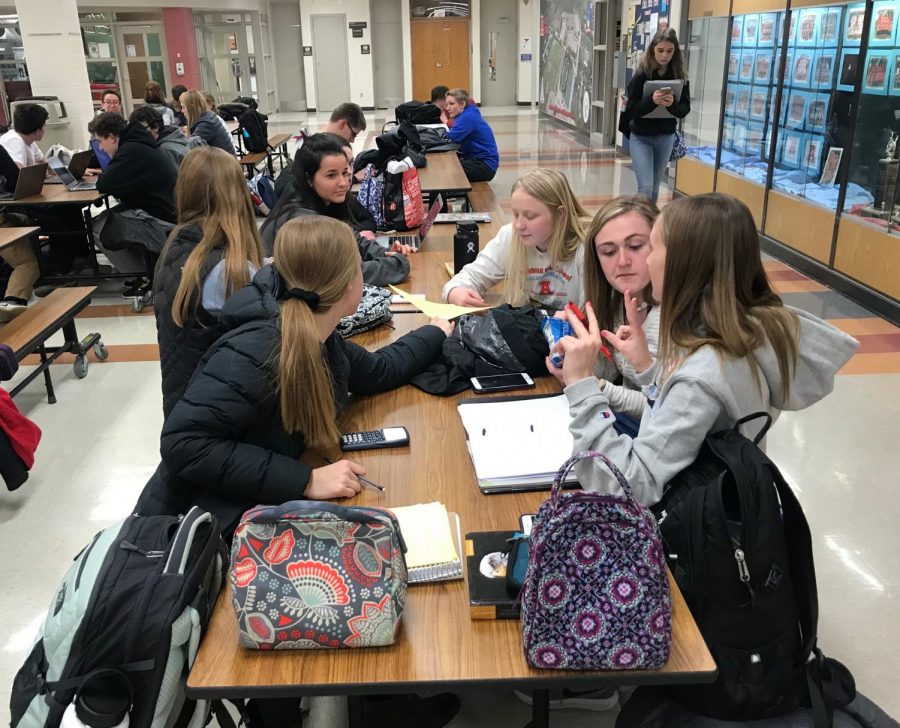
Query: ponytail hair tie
pixel 310 298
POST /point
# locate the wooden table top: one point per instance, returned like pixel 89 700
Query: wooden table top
pixel 10 235
pixel 53 194
pixel 26 332
pixel 438 644
pixel 443 173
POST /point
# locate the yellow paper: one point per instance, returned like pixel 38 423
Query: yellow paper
pixel 449 267
pixel 439 310
pixel 426 531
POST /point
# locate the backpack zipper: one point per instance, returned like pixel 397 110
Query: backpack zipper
pixel 744 573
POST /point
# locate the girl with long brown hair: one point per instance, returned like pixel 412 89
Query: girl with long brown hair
pixel 274 384
pixel 615 253
pixel 652 119
pixel 212 253
pixel 728 348
pixel 204 123
pixel 537 253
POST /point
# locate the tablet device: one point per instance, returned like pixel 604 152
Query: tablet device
pixel 661 112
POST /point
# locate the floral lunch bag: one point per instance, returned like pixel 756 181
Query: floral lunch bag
pixel 314 575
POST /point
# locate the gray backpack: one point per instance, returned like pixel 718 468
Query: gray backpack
pixel 124 626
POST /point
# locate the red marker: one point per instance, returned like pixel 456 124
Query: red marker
pixel 581 317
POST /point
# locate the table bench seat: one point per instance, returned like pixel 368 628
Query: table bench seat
pixel 30 331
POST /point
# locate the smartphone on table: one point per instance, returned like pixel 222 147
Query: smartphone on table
pixel 501 383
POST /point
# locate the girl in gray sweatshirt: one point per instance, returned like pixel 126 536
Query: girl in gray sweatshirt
pixel 728 347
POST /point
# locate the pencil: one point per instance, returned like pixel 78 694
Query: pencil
pixel 362 478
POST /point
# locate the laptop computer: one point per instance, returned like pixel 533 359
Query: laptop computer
pixel 416 239
pixel 80 162
pixel 102 157
pixel 31 182
pixel 68 179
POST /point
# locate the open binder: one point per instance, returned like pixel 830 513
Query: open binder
pixel 517 443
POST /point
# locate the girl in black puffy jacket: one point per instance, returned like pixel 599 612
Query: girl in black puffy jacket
pixel 204 123
pixel 274 383
pixel 211 255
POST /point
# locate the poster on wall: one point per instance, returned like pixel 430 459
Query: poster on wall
pixel 567 49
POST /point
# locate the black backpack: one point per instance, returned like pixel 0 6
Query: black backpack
pixel 739 547
pixel 254 131
pixel 417 112
pixel 125 624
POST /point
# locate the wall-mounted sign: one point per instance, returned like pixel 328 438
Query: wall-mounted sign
pixel 358 24
pixel 307 50
pixel 365 49
pixel 356 32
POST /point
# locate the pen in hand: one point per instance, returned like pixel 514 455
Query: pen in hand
pixel 362 478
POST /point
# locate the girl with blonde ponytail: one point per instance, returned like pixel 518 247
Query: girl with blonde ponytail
pixel 212 253
pixel 275 383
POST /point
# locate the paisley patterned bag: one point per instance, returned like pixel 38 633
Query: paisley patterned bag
pixel 596 595
pixel 314 575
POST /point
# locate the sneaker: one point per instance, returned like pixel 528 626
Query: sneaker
pixel 136 289
pixel 9 310
pixel 598 701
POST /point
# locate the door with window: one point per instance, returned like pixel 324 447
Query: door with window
pixel 142 50
pixel 229 61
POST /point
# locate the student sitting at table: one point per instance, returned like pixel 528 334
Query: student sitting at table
pixel 347 121
pixel 169 139
pixel 477 145
pixel 322 179
pixel 728 348
pixel 204 123
pixel 27 130
pixel 211 106
pixel 537 253
pixel 111 101
pixel 273 385
pixel 143 179
pixel 175 104
pixel 212 253
pixel 155 98
pixel 615 265
pixel 19 256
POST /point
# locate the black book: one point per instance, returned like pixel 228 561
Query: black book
pixel 489 597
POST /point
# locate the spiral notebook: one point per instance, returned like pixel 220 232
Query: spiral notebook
pixel 433 542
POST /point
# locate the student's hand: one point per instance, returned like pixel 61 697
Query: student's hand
pixel 557 373
pixel 460 296
pixel 405 249
pixel 629 339
pixel 92 172
pixel 580 351
pixel 443 324
pixel 337 480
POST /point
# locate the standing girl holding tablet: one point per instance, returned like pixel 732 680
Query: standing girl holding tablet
pixel 652 137
pixel 728 348
pixel 537 253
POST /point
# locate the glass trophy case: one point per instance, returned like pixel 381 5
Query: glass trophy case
pixel 807 131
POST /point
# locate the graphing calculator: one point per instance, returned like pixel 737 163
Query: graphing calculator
pixel 374 439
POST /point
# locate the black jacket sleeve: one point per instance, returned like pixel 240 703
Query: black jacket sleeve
pixel 379 269
pixel 682 107
pixel 394 365
pixel 637 106
pixel 363 219
pixel 204 438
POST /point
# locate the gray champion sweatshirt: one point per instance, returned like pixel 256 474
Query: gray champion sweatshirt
pixel 705 394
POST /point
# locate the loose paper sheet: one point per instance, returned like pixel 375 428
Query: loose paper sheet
pixel 439 310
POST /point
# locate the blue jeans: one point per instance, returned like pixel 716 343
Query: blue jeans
pixel 649 158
